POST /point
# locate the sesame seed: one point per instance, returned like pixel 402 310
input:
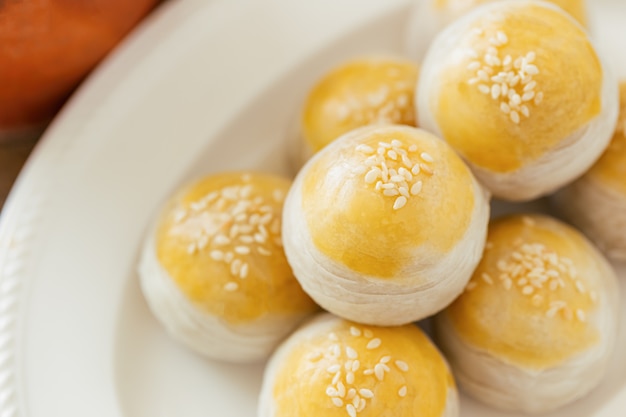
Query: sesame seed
pixel 366 393
pixel 470 286
pixel 338 402
pixel 217 255
pixel 351 410
pixel 403 366
pixel 351 393
pixel 532 69
pixel 495 91
pixel 179 215
pixel 514 117
pixel 487 278
pixel 400 202
pixel 360 170
pixel 242 250
pixel 351 353
pixel 355 365
pixel 336 379
pixel 368 333
pixel 372 175
pixel 374 343
pixel 221 240
pixel 235 266
pixel 350 377
pixel 333 369
pixel 379 372
pixel 525 111
pixel 385 359
pixel 426 169
pixel 527 290
pixel 341 389
pixel 426 157
pixel 331 391
pixel 243 272
pixel 530 86
pixel 484 89
pixel 390 192
pixel 402 391
pixel 355 331
pixel 231 286
pixel 580 315
pixel 368 372
pixel 263 251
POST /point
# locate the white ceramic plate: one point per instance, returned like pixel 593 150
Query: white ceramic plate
pixel 201 87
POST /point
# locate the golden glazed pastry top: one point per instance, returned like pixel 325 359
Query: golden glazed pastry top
pixel 219 240
pixel 611 167
pixel 508 92
pixel 379 195
pixel 531 298
pixel 576 8
pixel 369 371
pixel 359 93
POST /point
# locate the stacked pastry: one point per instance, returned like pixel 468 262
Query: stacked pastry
pixel 333 367
pixel 537 322
pixel 499 86
pixel 359 92
pixel 596 202
pixel 214 272
pixel 385 225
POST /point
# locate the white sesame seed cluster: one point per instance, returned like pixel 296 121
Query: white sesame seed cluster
pixel 349 372
pixel 531 267
pixel 395 169
pixel 232 224
pixel 508 81
pixel 379 106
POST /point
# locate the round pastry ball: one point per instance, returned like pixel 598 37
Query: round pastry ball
pixel 333 367
pixel 500 87
pixel 385 225
pixel 356 93
pixel 596 202
pixel 429 17
pixel 537 322
pixel 214 272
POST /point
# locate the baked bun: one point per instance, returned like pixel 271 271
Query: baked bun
pixel 357 93
pixel 332 367
pixel 385 225
pixel 537 322
pixel 596 202
pixel 429 17
pixel 214 272
pixel 500 87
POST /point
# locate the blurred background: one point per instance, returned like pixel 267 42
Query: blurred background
pixel 47 48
